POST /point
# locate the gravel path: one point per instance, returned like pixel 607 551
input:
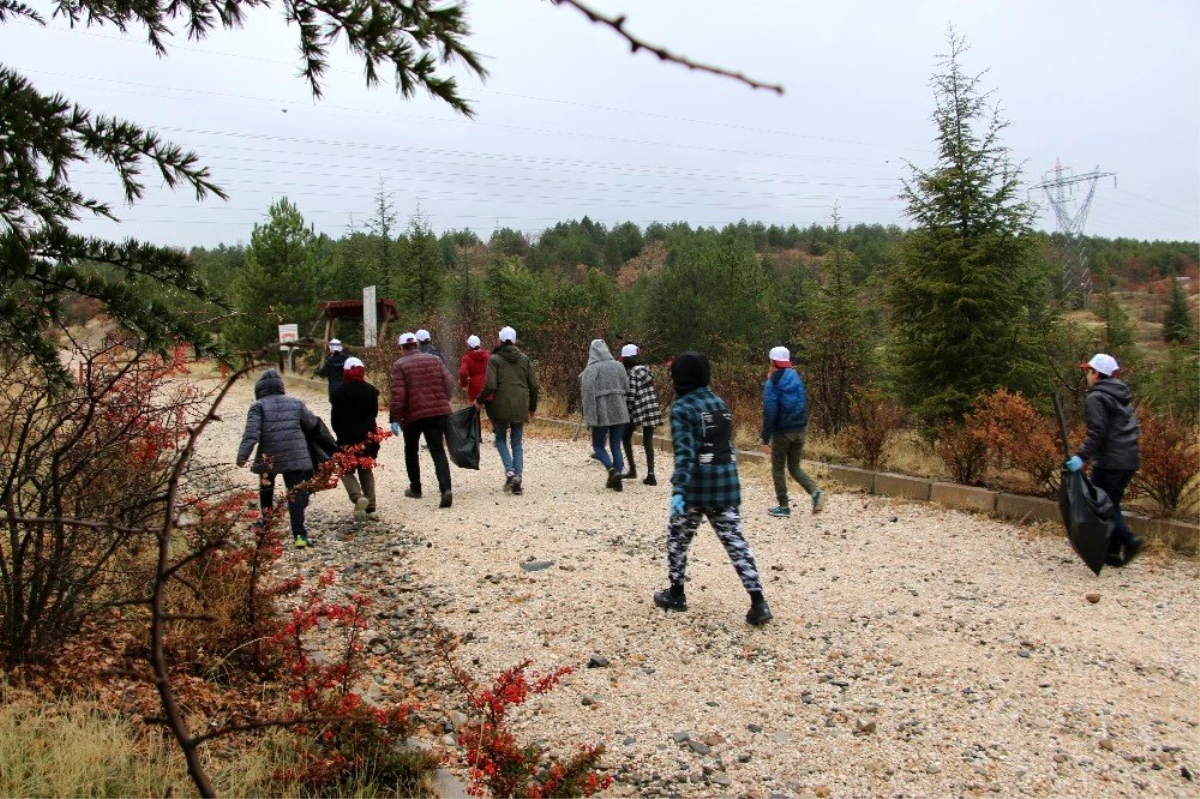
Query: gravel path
pixel 915 650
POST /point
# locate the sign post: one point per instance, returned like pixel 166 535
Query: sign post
pixel 288 336
pixel 370 322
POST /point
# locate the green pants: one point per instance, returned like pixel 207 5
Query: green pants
pixel 788 448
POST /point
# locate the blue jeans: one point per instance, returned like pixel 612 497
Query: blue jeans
pixel 297 500
pixel 1114 482
pixel 610 435
pixel 515 461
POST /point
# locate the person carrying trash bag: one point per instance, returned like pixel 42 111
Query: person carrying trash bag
pixel 1111 444
pixel 705 484
pixel 279 426
pixel 331 369
pixel 354 408
pixel 603 385
pixel 644 411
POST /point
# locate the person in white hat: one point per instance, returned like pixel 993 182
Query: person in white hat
pixel 785 422
pixel 354 408
pixel 425 344
pixel 419 406
pixel 510 395
pixel 331 369
pixel 472 369
pixel 1111 444
pixel 644 411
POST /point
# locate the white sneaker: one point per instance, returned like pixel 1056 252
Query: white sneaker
pixel 360 509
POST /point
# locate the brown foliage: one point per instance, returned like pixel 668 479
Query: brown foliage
pixel 1018 437
pixel 874 421
pixel 1170 463
pixel 964 450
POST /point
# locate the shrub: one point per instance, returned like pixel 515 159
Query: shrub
pixel 1018 437
pixel 1168 474
pixel 874 421
pixel 964 450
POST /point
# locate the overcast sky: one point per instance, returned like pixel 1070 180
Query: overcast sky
pixel 570 123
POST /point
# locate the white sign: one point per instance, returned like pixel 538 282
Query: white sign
pixel 370 323
pixel 288 335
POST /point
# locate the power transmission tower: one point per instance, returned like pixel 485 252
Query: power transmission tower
pixel 1071 215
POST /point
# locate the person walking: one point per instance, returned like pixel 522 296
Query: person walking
pixel 603 384
pixel 425 344
pixel 785 420
pixel 1111 444
pixel 472 369
pixel 510 395
pixel 276 424
pixel 644 411
pixel 331 369
pixel 705 484
pixel 420 405
pixel 355 406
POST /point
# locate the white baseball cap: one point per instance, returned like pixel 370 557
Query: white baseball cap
pixel 1104 364
pixel 335 345
pixel 406 338
pixel 423 335
pixel 780 356
pixel 352 362
pixel 472 341
pixel 629 350
pixel 508 334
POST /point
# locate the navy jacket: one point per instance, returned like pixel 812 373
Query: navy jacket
pixel 276 424
pixel 784 406
pixel 1112 426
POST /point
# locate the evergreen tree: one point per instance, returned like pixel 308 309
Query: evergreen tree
pixel 968 294
pixel 279 283
pixel 1177 323
pixel 43 263
pixel 1119 336
pixel 383 227
pixel 422 275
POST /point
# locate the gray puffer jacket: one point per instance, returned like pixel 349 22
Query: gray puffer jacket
pixel 1112 426
pixel 276 423
pixel 603 385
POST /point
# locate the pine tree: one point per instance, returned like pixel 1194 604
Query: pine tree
pixel 422 275
pixel 1177 323
pixel 279 284
pixel 967 296
pixel 43 263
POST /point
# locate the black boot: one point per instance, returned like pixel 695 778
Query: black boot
pixel 650 481
pixel 671 599
pixel 759 613
pixel 614 480
pixel 631 474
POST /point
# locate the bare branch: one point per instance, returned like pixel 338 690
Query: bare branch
pixel 635 44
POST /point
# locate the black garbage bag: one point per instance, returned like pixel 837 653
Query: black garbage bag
pixel 321 443
pixel 462 438
pixel 1088 514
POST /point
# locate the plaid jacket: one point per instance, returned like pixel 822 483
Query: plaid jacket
pixel 642 398
pixel 705 460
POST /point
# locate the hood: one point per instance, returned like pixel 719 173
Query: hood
pixel 689 372
pixel 631 361
pixel 270 383
pixel 787 382
pixel 1115 389
pixel 598 352
pixel 509 352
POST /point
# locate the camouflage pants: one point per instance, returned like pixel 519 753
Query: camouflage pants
pixel 727 522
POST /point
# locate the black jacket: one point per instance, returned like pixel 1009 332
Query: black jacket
pixel 1112 426
pixel 331 370
pixel 354 407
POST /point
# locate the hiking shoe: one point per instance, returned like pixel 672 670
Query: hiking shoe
pixel 372 514
pixel 650 481
pixel 614 480
pixel 818 501
pixel 668 601
pixel 1133 550
pixel 516 486
pixel 300 542
pixel 509 479
pixel 630 475
pixel 360 508
pixel 412 493
pixel 759 614
pixel 782 511
pixel 447 499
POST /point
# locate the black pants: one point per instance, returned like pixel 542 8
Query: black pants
pixel 434 430
pixel 647 444
pixel 297 500
pixel 1114 482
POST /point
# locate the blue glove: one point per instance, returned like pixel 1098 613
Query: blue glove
pixel 395 428
pixel 1073 464
pixel 677 505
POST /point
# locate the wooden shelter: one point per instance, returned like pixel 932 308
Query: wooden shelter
pixel 332 310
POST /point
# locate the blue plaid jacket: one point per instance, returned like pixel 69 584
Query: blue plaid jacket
pixel 705 460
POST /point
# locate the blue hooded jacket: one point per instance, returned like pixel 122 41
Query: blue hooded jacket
pixel 784 406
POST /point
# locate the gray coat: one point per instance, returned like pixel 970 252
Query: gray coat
pixel 276 423
pixel 603 385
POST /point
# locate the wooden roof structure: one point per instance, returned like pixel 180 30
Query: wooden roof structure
pixel 332 310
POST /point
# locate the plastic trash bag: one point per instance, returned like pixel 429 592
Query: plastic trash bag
pixel 462 438
pixel 1088 514
pixel 321 444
